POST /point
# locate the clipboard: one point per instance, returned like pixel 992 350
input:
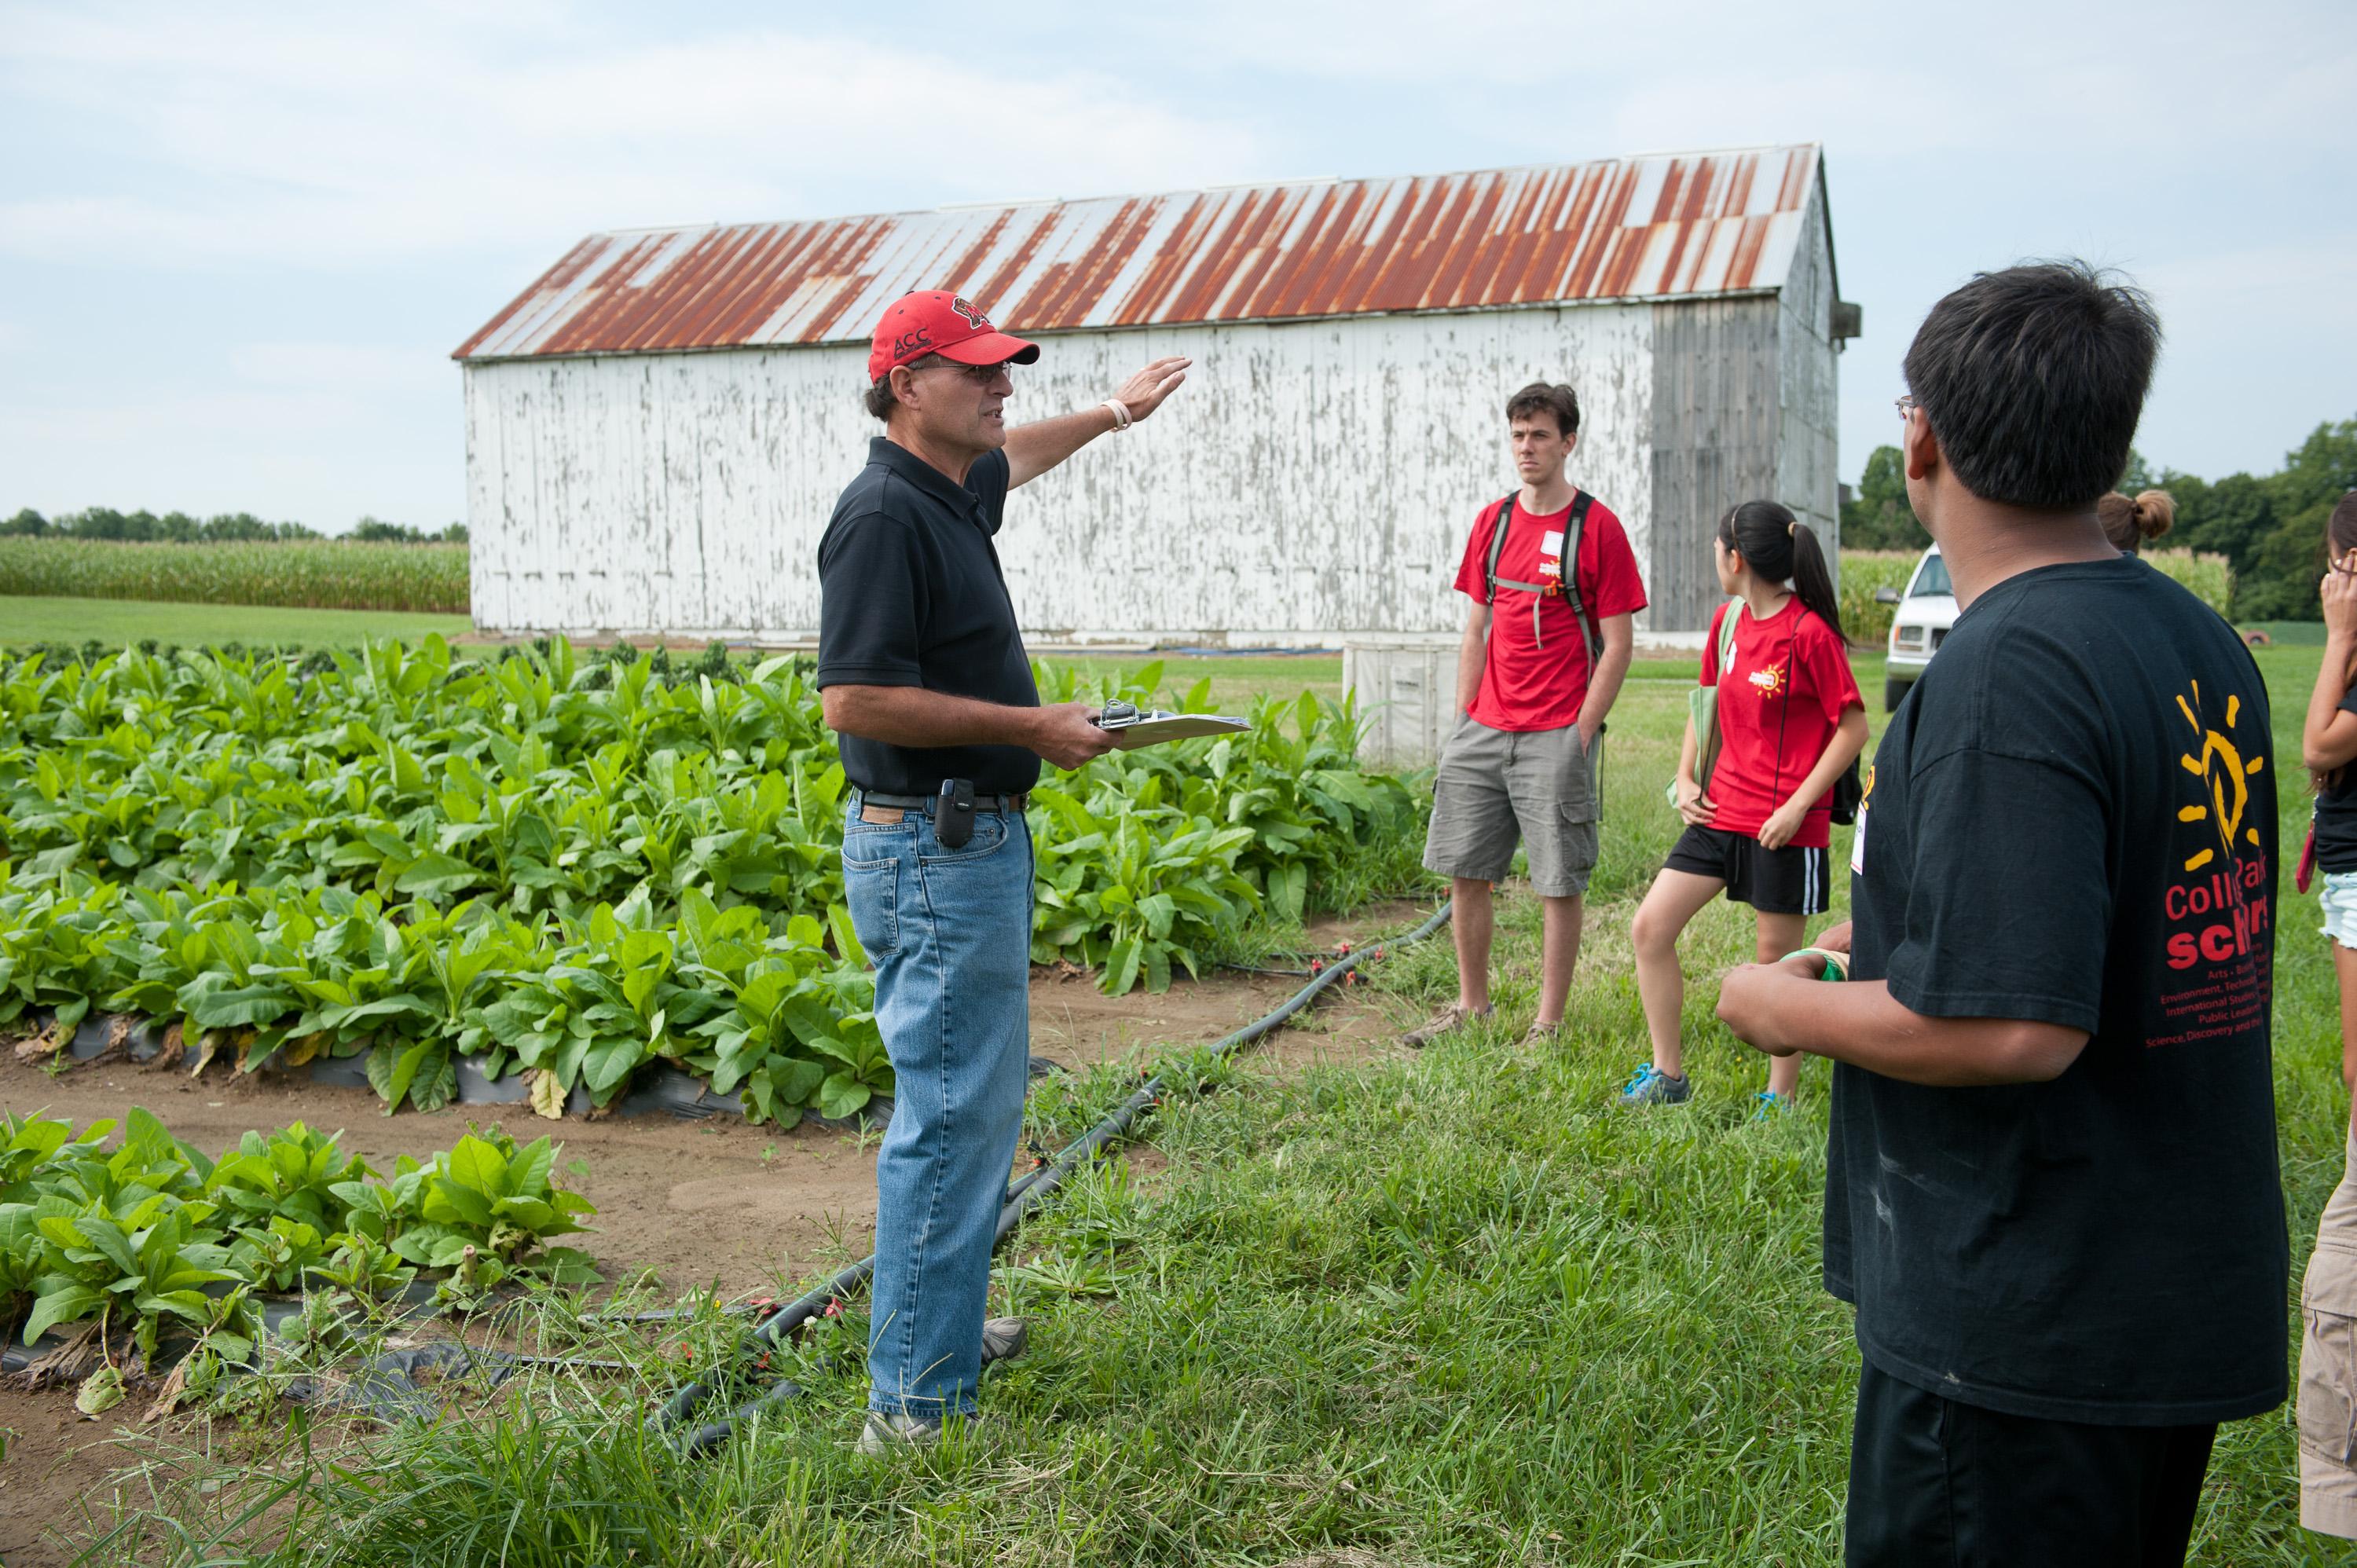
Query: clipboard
pixel 1133 728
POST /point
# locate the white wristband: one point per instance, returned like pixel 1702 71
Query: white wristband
pixel 1121 419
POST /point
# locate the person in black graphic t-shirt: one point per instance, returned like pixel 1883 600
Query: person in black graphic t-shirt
pixel 2051 1183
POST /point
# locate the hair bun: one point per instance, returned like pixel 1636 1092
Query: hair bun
pixel 2156 512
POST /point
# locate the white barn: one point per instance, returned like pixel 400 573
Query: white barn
pixel 658 427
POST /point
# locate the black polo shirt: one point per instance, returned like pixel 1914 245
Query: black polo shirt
pixel 911 594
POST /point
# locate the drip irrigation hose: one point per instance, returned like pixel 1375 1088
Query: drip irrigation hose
pixel 1022 1198
pixel 793 1316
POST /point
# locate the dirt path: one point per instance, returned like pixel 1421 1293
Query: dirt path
pixel 698 1203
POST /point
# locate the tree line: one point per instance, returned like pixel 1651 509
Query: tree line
pixel 2269 527
pixel 146 527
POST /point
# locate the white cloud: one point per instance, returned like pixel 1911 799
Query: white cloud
pixel 259 207
pixel 333 139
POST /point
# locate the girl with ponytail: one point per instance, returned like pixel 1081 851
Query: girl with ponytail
pixel 2328 747
pixel 1790 721
pixel 2327 744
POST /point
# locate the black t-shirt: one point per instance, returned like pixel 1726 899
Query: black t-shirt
pixel 2071 820
pixel 2336 813
pixel 911 594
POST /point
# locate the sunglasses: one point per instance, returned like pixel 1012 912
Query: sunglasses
pixel 1906 405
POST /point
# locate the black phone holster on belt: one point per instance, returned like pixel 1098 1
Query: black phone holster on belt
pixel 953 813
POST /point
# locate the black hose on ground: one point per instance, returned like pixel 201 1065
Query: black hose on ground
pixel 772 1329
pixel 1022 1198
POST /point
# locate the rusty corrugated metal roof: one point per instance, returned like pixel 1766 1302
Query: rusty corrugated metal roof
pixel 1644 228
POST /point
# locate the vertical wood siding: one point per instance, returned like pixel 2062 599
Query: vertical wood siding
pixel 1313 479
pixel 1807 388
pixel 1716 425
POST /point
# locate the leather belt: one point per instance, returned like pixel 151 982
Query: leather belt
pixel 927 802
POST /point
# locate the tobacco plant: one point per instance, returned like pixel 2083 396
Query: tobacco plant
pixel 423 858
pixel 143 1237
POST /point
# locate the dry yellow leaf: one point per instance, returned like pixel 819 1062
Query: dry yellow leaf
pixel 547 1094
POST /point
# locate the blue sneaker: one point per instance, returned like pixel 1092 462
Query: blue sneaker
pixel 1771 1105
pixel 1649 1086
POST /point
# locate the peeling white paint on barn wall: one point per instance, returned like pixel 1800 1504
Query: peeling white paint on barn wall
pixel 1313 479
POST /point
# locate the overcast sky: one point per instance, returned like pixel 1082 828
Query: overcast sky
pixel 237 244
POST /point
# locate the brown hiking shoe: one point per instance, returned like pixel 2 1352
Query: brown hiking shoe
pixel 1542 1035
pixel 1449 1019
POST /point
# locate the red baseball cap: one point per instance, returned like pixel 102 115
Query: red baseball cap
pixel 935 321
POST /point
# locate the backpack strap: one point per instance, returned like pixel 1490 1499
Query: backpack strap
pixel 1566 587
pixel 1497 548
pixel 1503 521
pixel 1588 628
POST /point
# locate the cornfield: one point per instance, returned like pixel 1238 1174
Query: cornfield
pixel 1864 571
pixel 2207 578
pixel 327 574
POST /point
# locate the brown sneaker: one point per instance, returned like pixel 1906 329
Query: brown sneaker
pixel 1449 1019
pixel 1542 1035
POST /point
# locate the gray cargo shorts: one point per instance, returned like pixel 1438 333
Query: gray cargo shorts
pixel 1495 787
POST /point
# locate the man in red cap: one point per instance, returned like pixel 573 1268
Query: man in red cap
pixel 924 679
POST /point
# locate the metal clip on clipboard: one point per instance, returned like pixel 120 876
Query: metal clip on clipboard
pixel 1133 727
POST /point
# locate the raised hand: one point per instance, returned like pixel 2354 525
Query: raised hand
pixel 2338 593
pixel 1144 392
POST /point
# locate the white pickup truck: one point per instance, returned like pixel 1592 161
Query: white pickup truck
pixel 1926 610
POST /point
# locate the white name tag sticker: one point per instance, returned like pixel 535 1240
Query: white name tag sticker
pixel 1552 544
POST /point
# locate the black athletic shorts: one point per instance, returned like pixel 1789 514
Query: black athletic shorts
pixel 1788 881
pixel 1932 1481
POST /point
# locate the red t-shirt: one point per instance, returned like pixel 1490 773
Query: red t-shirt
pixel 1537 681
pixel 1789 670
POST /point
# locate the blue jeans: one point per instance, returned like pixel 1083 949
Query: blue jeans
pixel 950 934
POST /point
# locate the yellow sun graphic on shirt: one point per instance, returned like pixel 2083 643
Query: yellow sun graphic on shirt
pixel 2225 779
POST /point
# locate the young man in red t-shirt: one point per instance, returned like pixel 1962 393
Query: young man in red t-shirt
pixel 1534 679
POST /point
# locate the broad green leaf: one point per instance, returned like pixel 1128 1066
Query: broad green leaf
pixel 842 1095
pixel 1120 969
pixel 610 1062
pixel 433 873
pixel 65 1304
pixel 479 1165
pixel 245 1006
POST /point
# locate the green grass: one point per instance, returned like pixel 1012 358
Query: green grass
pixel 1452 1308
pixel 119 623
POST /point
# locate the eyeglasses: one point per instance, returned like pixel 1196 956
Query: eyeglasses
pixel 1906 405
pixel 985 374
